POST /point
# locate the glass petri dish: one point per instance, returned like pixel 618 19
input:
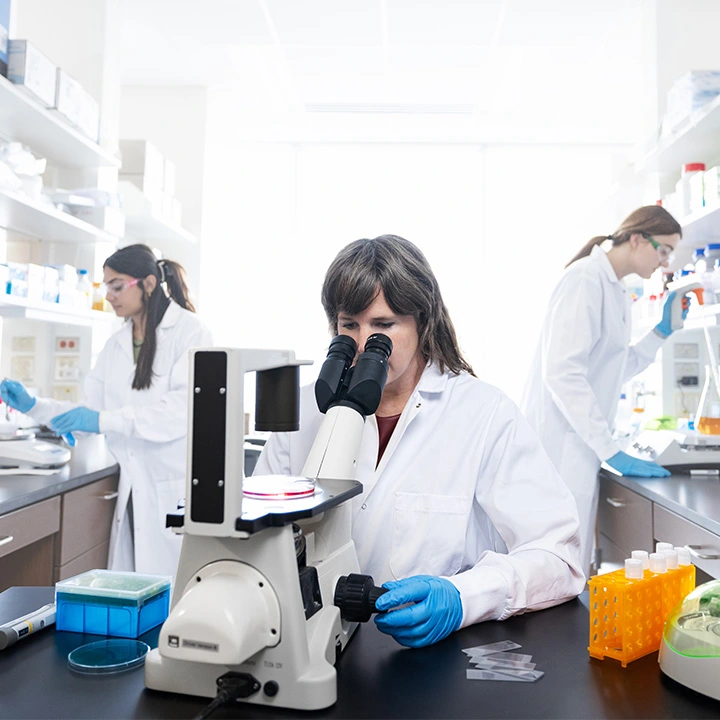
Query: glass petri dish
pixel 278 487
pixel 108 656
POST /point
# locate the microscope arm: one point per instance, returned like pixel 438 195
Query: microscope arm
pixel 334 453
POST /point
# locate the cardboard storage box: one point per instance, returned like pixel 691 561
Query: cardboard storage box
pixel 30 69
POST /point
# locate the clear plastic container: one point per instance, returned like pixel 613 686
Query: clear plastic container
pixel 689 170
pixel 708 412
pixel 106 602
pixel 84 290
pixel 699 260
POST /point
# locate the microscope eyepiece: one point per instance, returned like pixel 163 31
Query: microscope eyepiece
pixel 343 347
pixel 340 355
pixel 380 344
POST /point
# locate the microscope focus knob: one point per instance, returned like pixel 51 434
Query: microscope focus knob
pixel 355 595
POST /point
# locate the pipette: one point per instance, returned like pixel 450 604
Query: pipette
pixel 23 626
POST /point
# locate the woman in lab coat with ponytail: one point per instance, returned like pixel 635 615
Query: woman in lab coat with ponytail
pixel 137 395
pixel 584 356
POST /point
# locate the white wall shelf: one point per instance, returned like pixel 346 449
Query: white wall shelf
pixel 701 228
pixel 142 224
pixel 696 140
pixel 17 307
pixel 698 317
pixel 46 132
pixel 36 220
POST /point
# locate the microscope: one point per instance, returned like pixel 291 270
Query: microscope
pixel 268 591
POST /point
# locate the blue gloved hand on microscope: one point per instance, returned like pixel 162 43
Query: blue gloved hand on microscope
pixel 79 418
pixel 437 610
pixel 664 327
pixel 16 396
pixel 634 467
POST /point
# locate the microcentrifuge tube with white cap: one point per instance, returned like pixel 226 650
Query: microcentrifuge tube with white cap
pixel 658 563
pixel 641 555
pixel 671 558
pixel 663 546
pixel 684 557
pixel 634 569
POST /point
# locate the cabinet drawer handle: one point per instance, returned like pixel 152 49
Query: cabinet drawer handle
pixel 616 503
pixel 694 551
pixel 5 540
pixel 108 496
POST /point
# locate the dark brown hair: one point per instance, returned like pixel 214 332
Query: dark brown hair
pixel 397 267
pixel 139 261
pixel 650 219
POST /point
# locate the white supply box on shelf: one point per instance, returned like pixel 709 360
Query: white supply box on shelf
pixel 76 104
pixel 168 176
pixel 688 93
pixel 4 33
pixel 110 219
pixel 30 69
pixel 143 165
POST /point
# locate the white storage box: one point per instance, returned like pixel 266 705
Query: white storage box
pixel 149 191
pixel 76 104
pixel 110 219
pixel 142 158
pixel 31 70
pixel 688 93
pixel 169 176
pixel 35 282
pixel 176 212
pixel 4 34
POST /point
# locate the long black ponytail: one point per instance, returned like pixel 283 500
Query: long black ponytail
pixel 139 261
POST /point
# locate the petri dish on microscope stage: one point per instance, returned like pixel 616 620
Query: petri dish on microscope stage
pixel 278 487
pixel 108 656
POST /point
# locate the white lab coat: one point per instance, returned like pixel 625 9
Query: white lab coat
pixel 582 359
pixel 146 432
pixel 464 490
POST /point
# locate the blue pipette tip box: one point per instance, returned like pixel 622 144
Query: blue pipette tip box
pixel 108 602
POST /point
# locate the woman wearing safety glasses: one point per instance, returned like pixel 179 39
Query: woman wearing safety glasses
pixel 137 395
pixel 584 356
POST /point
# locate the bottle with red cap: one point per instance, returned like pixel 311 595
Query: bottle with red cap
pixel 683 187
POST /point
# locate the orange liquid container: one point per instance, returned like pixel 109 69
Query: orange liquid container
pixel 626 616
pixel 709 426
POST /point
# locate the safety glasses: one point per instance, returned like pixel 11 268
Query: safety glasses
pixel 665 252
pixel 117 287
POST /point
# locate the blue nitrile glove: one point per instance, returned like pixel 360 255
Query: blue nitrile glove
pixel 664 327
pixel 79 418
pixel 437 611
pixel 16 396
pixel 628 465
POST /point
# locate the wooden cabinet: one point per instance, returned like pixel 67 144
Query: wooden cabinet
pixel 27 542
pixel 625 521
pixel 628 521
pixel 85 528
pixel 704 546
pixel 58 537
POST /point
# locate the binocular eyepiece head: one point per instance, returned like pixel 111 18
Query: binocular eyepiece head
pixel 360 386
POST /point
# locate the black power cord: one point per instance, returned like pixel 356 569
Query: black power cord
pixel 231 687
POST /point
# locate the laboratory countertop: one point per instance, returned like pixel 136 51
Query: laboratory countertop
pixel 91 460
pixel 694 497
pixel 376 677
